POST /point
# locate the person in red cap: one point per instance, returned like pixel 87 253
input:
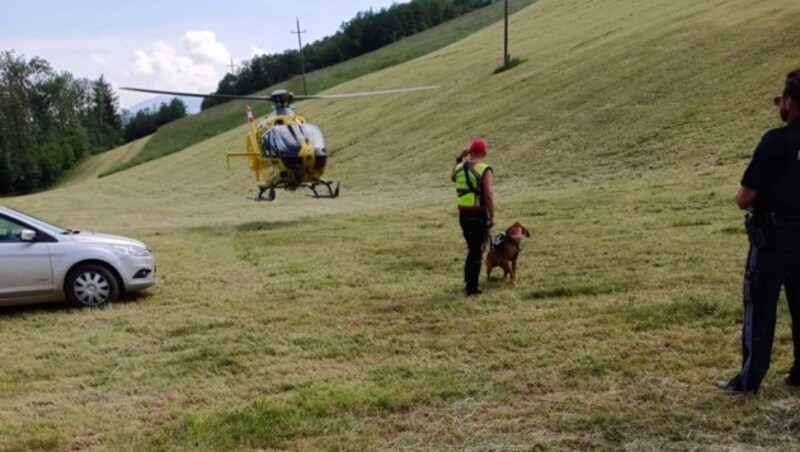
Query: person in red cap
pixel 473 179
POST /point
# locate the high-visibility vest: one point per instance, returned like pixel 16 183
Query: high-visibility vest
pixel 469 185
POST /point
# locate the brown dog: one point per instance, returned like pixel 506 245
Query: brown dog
pixel 505 251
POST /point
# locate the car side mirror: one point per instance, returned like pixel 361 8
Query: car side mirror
pixel 27 235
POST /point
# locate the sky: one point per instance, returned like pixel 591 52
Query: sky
pixel 168 44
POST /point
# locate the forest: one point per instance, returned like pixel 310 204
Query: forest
pixel 49 121
pixel 366 32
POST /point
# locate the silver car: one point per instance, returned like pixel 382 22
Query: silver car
pixel 40 262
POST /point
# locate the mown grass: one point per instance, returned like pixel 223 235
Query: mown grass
pixel 348 331
pixel 186 132
pixel 94 167
pixel 324 324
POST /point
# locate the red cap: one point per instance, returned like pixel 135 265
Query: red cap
pixel 478 148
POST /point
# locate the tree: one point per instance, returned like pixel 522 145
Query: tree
pixel 146 121
pixel 104 116
pixel 49 122
pixel 5 162
pixel 17 81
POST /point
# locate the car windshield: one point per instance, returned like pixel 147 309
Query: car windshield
pixel 40 223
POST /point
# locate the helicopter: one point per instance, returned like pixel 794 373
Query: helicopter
pixel 283 149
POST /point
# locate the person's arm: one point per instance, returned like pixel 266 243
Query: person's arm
pixel 459 159
pixel 488 194
pixel 762 166
pixel 745 197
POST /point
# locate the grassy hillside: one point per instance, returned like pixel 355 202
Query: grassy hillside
pixel 93 167
pixel 181 134
pixel 318 324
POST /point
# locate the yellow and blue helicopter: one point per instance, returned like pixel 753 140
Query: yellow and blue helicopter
pixel 283 149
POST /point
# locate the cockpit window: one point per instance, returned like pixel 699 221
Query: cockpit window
pixel 314 135
pixel 287 140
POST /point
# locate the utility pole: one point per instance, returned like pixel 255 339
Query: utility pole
pixel 506 57
pixel 300 47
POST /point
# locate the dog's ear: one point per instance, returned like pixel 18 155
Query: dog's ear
pixel 525 231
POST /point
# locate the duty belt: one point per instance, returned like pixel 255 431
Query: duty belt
pixel 777 219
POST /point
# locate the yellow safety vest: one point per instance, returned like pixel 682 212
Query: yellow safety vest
pixel 469 185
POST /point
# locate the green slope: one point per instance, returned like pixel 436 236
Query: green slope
pixel 99 164
pixel 192 130
pixel 311 324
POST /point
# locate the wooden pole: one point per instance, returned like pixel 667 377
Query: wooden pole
pixel 506 57
pixel 300 47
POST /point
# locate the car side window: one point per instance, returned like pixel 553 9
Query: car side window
pixel 10 232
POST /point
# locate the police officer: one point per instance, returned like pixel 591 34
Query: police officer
pixel 771 192
pixel 473 180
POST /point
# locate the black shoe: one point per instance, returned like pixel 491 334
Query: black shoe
pixel 792 379
pixel 473 293
pixel 734 386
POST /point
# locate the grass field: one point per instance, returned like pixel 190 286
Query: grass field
pixel 94 167
pixel 339 324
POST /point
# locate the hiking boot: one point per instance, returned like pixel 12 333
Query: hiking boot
pixel 734 386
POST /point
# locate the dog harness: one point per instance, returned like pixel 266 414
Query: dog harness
pixel 499 240
pixel 502 239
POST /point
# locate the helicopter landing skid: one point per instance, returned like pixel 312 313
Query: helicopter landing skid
pixel 332 192
pixel 270 189
pixel 267 192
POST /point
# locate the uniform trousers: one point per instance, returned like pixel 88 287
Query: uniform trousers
pixel 475 226
pixel 769 268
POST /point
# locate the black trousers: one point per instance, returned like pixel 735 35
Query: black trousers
pixel 768 268
pixel 474 225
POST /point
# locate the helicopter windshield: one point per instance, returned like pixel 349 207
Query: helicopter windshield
pixel 314 135
pixel 287 140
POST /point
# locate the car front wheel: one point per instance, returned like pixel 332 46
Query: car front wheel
pixel 91 285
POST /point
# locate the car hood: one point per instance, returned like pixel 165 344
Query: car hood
pixel 107 239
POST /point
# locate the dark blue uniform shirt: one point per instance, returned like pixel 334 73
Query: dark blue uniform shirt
pixel 774 171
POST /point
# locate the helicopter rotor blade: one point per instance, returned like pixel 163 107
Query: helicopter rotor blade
pixel 212 96
pixel 368 93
